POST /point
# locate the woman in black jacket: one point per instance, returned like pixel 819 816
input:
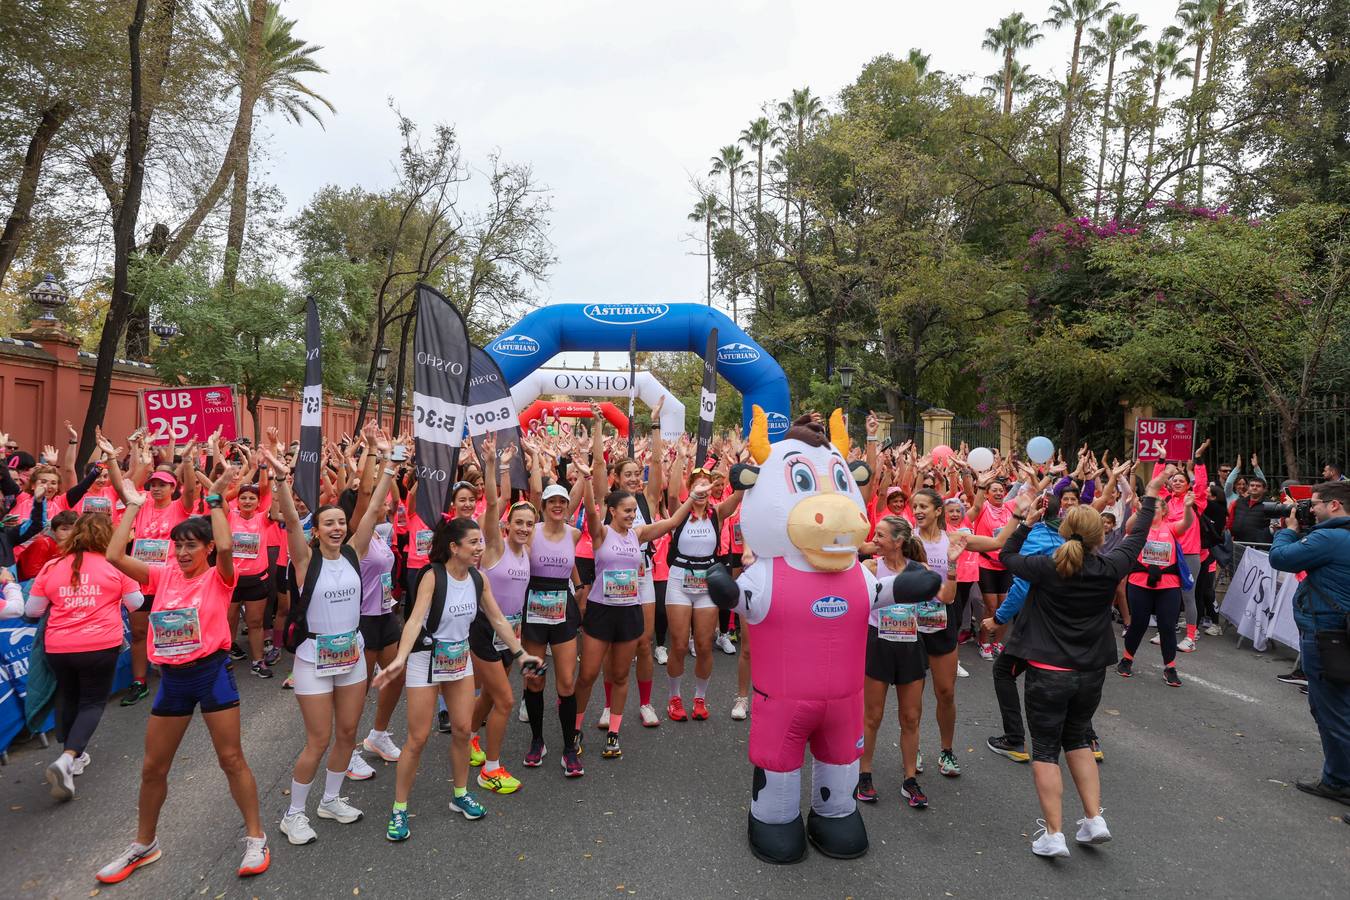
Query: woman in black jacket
pixel 1064 633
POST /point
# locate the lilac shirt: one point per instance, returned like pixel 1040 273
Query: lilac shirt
pixel 376 578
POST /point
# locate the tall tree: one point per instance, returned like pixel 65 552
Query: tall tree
pixel 1196 25
pixel 707 211
pixel 1078 15
pixel 1160 61
pixel 799 114
pixel 1012 33
pixel 1023 81
pixel 757 136
pixel 1122 34
pixel 730 161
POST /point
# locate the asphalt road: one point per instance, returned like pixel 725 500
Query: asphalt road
pixel 1197 785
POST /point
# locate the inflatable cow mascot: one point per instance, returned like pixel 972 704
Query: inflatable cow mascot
pixel 805 600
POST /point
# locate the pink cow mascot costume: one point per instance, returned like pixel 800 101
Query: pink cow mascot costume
pixel 805 600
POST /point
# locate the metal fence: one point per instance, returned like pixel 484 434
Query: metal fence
pixel 1323 436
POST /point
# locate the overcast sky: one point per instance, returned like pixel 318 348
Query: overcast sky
pixel 616 106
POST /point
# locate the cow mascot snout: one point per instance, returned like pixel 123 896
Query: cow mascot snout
pixel 805 600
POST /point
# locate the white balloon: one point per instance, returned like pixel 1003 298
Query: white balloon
pixel 1040 449
pixel 981 459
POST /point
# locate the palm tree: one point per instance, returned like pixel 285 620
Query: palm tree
pixel 758 135
pixel 1129 109
pixel 708 210
pixel 1196 18
pixel 1012 33
pixel 1122 34
pixel 1023 81
pixel 1223 20
pixel 919 60
pixel 1159 61
pixel 269 73
pixel 1079 14
pixel 799 113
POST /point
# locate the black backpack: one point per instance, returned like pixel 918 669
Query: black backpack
pixel 296 631
pixel 426 640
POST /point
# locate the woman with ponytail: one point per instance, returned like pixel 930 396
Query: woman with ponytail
pixel 1064 633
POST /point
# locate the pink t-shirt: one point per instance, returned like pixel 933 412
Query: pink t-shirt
pixel 1160 549
pixel 84 616
pixel 967 564
pixel 991 520
pixel 419 541
pixel 200 626
pixel 251 540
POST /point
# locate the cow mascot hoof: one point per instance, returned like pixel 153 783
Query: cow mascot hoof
pixel 843 838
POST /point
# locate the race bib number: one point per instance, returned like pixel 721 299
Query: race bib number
pixel 1157 553
pixel 931 616
pixel 152 551
pixel 423 542
pixel 97 505
pixel 497 643
pixel 546 607
pixel 387 601
pixel 336 654
pixel 175 632
pixel 736 535
pixel 898 622
pixel 696 581
pixel 449 660
pixel 621 586
pixel 246 544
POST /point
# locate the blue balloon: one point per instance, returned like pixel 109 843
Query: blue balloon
pixel 1040 449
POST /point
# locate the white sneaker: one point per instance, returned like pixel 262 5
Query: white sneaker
pixel 1214 629
pixel 603 723
pixel 130 860
pixel 339 810
pixel 961 671
pixel 523 716
pixel 660 654
pixel 1156 640
pixel 297 830
pixel 78 763
pixel 724 644
pixel 986 651
pixel 692 651
pixel 358 769
pixel 741 708
pixel 1049 844
pixel 61 776
pixel 382 745
pixel 648 714
pixel 256 857
pixel 1186 645
pixel 1093 831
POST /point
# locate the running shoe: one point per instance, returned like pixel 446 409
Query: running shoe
pixel 397 829
pixel 256 857
pixel 339 810
pixel 468 806
pixel 1214 629
pixel 963 637
pixel 571 765
pixel 865 791
pixel 61 777
pixel 499 781
pixel 724 644
pixel 612 749
pixel 1125 668
pixel 382 745
pixel 136 692
pixel 443 721
pixel 270 654
pixel 358 769
pixel 647 713
pixel 476 755
pixel 297 829
pixel 918 762
pixel 1097 753
pixel 660 655
pixel 129 861
pixel 1003 747
pixel 986 651
pixel 700 712
pixel 603 722
pixel 675 710
pixel 998 649
pixel 948 765
pixel 1049 844
pixel 961 671
pixel 1155 640
pixel 78 764
pixel 1186 645
pixel 261 669
pixel 1171 677
pixel 1294 677
pixel 1093 830
pixel 913 794
pixel 289 683
pixel 535 756
pixel 524 714
pixel 1303 689
pixel 740 709
pixel 237 653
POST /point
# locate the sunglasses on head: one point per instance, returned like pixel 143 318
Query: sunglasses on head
pixel 700 470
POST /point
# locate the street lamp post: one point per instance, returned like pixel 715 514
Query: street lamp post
pixel 381 364
pixel 51 296
pixel 846 382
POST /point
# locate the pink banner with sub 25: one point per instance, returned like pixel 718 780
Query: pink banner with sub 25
pixel 190 413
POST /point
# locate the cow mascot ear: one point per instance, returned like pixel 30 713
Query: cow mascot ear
pixel 862 473
pixel 744 476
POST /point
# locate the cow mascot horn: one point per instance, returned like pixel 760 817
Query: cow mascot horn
pixel 805 600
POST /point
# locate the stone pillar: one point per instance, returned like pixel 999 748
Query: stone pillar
pixel 937 427
pixel 1007 430
pixel 885 426
pixel 1132 416
pixel 65 400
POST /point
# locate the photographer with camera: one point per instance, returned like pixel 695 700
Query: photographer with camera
pixel 1322 612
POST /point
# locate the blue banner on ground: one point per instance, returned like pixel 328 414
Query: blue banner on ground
pixel 16 643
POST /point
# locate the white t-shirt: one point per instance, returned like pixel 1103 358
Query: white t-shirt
pixel 461 605
pixel 335 607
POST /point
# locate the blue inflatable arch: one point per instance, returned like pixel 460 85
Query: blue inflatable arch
pixel 534 340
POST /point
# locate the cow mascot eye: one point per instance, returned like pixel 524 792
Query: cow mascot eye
pixel 843 481
pixel 802 477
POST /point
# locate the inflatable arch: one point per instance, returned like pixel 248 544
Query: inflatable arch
pixel 535 339
pixel 590 383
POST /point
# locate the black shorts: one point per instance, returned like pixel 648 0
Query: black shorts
pixel 410 578
pixel 1060 706
pixel 381 631
pixel 481 636
pixel 894 662
pixel 552 635
pixel 208 682
pixel 940 643
pixel 995 582
pixel 281 577
pixel 250 588
pixel 586 569
pixel 614 624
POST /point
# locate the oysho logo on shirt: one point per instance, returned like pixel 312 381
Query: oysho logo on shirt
pixel 829 607
pixel 736 354
pixel 516 345
pixel 625 313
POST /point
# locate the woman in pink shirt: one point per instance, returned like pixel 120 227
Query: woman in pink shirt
pixel 80 592
pixel 190 642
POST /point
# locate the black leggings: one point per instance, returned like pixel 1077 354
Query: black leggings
pixel 1059 710
pixel 1165 604
pixel 83 683
pixel 660 631
pixel 1206 583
